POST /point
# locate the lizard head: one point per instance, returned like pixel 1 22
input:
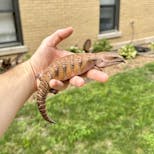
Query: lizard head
pixel 104 59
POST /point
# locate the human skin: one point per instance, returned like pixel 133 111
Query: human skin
pixel 19 83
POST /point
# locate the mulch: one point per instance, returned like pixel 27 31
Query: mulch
pixel 139 61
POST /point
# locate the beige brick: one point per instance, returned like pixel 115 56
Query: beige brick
pixel 42 17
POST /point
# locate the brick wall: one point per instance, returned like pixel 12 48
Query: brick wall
pixel 42 17
pixel 142 13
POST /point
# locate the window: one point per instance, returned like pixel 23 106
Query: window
pixel 10 27
pixel 109 15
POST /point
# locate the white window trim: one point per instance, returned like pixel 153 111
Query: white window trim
pixel 110 34
pixel 13 50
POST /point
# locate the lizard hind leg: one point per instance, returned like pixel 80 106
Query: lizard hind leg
pixel 41 100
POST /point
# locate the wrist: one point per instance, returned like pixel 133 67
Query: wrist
pixel 29 71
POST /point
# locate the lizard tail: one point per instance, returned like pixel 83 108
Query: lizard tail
pixel 41 97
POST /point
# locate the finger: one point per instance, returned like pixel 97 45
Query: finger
pixel 54 39
pixel 97 75
pixel 58 85
pixel 77 81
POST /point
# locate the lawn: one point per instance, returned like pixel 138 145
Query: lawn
pixel 112 118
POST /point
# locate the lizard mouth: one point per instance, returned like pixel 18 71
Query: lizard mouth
pixel 114 58
pixel 114 61
pixel 106 64
pixel 109 61
pixel 118 60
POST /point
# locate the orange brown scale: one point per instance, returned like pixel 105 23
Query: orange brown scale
pixel 66 67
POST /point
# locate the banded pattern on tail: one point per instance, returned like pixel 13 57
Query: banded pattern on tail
pixel 66 67
pixel 41 100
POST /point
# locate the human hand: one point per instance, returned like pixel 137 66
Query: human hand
pixel 48 51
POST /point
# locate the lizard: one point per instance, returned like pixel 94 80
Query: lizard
pixel 68 66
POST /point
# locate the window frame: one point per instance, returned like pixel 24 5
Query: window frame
pixel 116 11
pixel 18 29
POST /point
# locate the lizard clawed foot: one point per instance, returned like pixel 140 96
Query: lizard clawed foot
pixel 53 91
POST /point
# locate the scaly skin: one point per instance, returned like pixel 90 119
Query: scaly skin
pixel 66 67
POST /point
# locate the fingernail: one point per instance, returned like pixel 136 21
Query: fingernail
pixel 78 81
pixel 97 75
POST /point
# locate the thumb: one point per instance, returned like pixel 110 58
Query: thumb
pixel 54 39
pixel 47 51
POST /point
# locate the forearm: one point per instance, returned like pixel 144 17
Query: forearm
pixel 16 86
pixel 19 83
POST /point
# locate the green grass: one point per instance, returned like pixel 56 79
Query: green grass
pixel 112 118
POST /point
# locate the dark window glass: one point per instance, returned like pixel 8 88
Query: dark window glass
pixel 6 5
pixel 10 28
pixel 109 15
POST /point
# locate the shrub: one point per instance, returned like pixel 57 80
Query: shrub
pixel 26 56
pixel 151 46
pixel 102 45
pixel 75 49
pixel 1 70
pixel 128 51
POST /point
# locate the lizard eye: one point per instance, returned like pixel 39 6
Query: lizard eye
pixel 93 60
pixel 115 58
pixel 112 57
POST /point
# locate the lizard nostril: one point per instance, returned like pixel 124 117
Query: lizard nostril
pixel 112 58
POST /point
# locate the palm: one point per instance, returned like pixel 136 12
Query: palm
pixel 48 51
